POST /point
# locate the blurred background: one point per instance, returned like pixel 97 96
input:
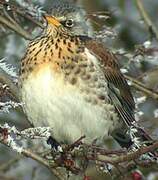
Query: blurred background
pixel 119 25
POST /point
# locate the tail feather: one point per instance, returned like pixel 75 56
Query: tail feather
pixel 134 139
pixel 139 139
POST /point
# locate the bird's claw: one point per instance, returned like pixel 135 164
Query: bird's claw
pixel 54 145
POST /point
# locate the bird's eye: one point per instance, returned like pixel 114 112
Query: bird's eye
pixel 69 23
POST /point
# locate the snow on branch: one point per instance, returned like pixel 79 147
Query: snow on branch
pixel 103 158
pixel 6 106
pixel 10 70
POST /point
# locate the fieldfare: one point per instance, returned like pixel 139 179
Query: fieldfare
pixel 72 83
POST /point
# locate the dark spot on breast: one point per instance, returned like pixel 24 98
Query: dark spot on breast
pixel 69 44
pixel 56 45
pixel 64 41
pixel 59 54
pixel 83 65
pixel 48 46
pixel 101 97
pixel 37 52
pixel 30 68
pixel 70 50
pixel 92 69
pixel 52 41
pixel 51 51
pixel 100 85
pixel 94 78
pixel 23 63
pixel 71 66
pixel 73 80
pixel 88 76
pixel 72 39
pixel 77 70
pixel 22 71
pixel 45 54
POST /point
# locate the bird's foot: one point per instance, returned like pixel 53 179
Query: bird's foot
pixel 63 154
pixel 54 144
pixel 77 143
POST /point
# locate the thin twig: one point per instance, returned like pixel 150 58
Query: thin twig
pixel 150 25
pixel 139 86
pixel 41 160
pixel 129 156
pixel 15 28
pixel 32 155
pixel 22 12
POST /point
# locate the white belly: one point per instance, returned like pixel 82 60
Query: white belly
pixel 49 103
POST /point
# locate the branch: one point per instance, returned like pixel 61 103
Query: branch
pixel 15 28
pixel 7 80
pixel 139 86
pixel 71 153
pixel 129 156
pixel 22 12
pixel 6 138
pixel 28 153
pixel 7 165
pixel 152 28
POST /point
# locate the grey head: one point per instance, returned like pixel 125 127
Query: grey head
pixel 71 17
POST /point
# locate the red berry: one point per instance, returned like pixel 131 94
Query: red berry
pixel 136 176
pixel 87 178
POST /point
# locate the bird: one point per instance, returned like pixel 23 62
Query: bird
pixel 71 82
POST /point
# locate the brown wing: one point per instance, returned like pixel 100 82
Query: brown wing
pixel 119 92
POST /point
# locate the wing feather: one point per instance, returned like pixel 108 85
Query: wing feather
pixel 119 92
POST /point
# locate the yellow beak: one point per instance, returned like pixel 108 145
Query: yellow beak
pixel 52 20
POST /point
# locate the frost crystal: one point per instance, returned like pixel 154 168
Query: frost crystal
pixel 105 32
pixel 10 70
pixel 38 132
pixel 13 135
pixel 129 82
pixel 136 140
pixel 11 143
pixel 147 44
pixel 123 70
pixel 10 140
pixel 138 114
pixel 6 106
pixel 156 113
pixel 140 100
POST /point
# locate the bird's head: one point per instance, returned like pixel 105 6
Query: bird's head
pixel 69 19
